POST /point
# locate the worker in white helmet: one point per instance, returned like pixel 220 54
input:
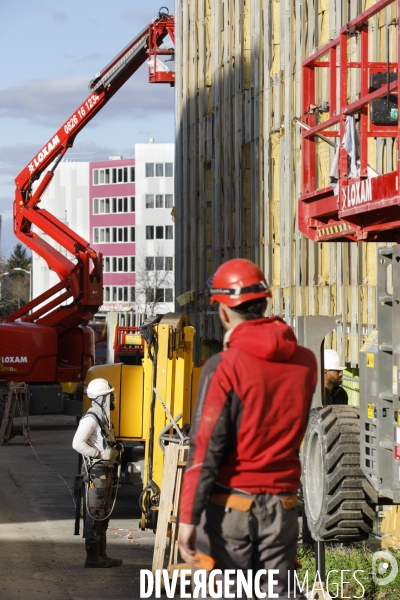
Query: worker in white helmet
pixel 95 440
pixel 333 376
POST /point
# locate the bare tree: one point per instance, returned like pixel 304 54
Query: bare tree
pixel 153 278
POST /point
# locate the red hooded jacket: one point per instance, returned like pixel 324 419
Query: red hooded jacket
pixel 250 416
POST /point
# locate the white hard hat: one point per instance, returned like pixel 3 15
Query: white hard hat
pixel 98 387
pixel 333 361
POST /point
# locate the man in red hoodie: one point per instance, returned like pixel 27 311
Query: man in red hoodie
pixel 239 491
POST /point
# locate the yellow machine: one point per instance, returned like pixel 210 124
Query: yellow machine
pixel 151 397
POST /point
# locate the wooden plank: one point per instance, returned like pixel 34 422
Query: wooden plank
pixel 216 107
pixel 166 499
pixel 173 548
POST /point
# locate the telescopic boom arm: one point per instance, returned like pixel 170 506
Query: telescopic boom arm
pixel 80 276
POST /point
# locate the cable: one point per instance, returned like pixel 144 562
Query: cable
pixel 108 515
pixel 47 467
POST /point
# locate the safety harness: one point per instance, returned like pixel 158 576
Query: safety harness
pixel 83 480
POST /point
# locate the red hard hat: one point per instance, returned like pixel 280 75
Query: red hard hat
pixel 238 281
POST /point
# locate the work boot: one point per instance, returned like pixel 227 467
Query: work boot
pixel 93 558
pixel 116 562
pixel 98 562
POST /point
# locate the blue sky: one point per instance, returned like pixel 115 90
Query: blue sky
pixel 49 52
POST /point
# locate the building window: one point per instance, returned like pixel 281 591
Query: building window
pixel 159 232
pixel 149 200
pixel 105 235
pixel 114 175
pixel 169 295
pixel 149 232
pixel 101 205
pixel 159 263
pixel 149 263
pixel 161 201
pixel 119 293
pixel 160 170
pixel 119 264
pixel 121 234
pixel 149 169
pixel 169 232
pixel 113 205
pixel 159 295
pixel 149 295
pixel 169 263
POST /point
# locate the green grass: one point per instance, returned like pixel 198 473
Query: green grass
pixel 350 558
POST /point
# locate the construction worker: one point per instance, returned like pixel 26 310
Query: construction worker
pixel 95 440
pixel 238 503
pixel 333 375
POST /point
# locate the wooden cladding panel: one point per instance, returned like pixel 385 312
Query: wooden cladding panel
pixel 238 159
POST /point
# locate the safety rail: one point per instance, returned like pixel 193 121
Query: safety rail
pixel 364 207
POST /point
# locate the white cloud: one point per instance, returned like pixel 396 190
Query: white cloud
pixel 14 158
pixel 50 103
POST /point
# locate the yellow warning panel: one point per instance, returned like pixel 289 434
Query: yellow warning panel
pixel 370 360
pixel 398 418
pixel 133 339
pixel 131 406
pixel 370 411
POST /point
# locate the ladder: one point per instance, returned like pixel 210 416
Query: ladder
pixel 175 460
pixel 17 395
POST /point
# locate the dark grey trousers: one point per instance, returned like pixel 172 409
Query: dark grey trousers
pixel 264 537
pixel 98 505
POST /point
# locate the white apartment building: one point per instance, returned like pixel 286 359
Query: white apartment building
pixel 67 198
pixel 155 230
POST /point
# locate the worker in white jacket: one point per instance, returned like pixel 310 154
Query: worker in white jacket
pixel 95 440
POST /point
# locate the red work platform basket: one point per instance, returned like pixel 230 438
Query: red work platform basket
pixel 159 72
pixel 365 207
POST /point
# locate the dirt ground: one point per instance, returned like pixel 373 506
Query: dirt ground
pixel 39 555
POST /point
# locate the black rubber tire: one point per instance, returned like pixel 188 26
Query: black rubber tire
pixel 338 499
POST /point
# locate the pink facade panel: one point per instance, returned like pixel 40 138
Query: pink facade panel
pixel 119 278
pixel 112 225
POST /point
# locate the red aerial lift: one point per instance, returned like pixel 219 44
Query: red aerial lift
pixel 351 455
pixel 46 340
pixel 365 207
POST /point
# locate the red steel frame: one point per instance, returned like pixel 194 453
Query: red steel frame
pixel 365 208
pixel 122 344
pixel 154 50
